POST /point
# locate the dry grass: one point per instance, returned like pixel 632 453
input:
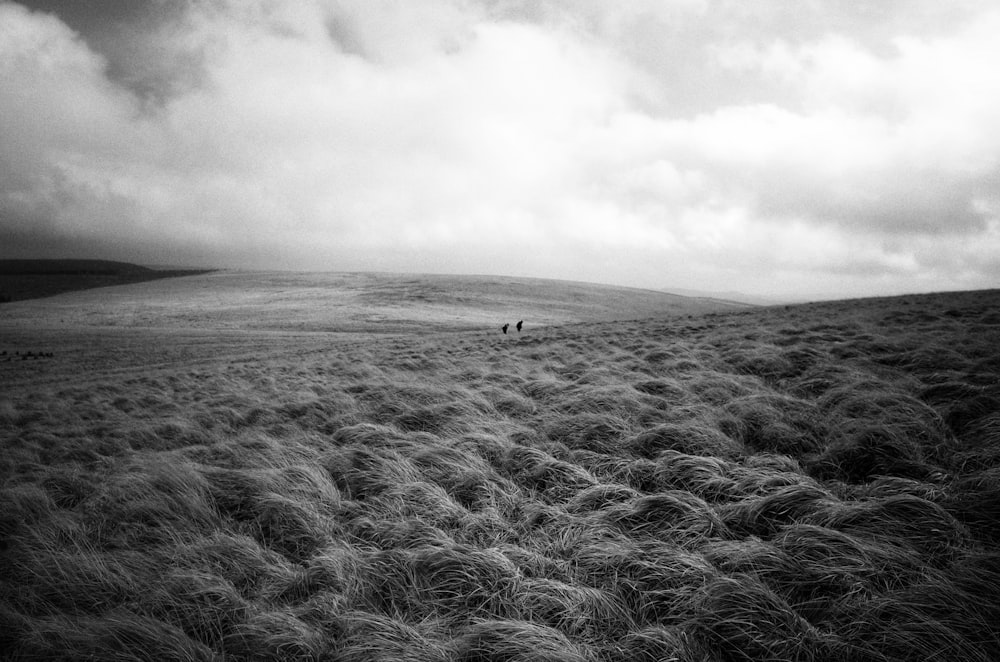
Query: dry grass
pixel 805 483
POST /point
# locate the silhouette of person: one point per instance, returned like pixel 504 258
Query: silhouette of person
pixel 504 328
pixel 519 326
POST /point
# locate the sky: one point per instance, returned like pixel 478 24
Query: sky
pixel 782 148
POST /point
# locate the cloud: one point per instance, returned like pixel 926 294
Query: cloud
pixel 61 118
pixel 551 139
pixel 906 143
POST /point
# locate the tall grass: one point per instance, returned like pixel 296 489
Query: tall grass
pixel 802 483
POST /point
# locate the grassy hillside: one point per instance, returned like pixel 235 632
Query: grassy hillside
pixel 817 482
pixel 33 279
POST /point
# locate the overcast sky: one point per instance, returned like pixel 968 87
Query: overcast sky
pixel 785 148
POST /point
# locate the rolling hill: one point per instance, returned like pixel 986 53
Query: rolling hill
pixel 381 303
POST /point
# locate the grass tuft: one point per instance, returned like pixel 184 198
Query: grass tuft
pixel 675 513
pixel 764 515
pixel 744 620
pixel 369 637
pixel 276 634
pixel 689 439
pixel 118 635
pixel 905 519
pixel 516 641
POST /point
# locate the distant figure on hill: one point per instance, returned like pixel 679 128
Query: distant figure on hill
pixel 504 328
pixel 519 325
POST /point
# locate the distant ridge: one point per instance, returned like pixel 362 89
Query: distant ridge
pixel 33 279
pixel 70 267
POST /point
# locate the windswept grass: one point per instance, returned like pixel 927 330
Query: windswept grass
pixel 815 482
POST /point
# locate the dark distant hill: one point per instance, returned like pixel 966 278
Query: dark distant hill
pixel 34 279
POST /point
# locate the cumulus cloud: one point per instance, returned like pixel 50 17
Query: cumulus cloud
pixel 691 143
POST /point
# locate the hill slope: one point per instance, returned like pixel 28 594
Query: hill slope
pixel 289 301
pixel 817 482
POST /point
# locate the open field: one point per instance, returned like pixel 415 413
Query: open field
pixel 294 470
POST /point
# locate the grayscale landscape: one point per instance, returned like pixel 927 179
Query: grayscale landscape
pixel 500 330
